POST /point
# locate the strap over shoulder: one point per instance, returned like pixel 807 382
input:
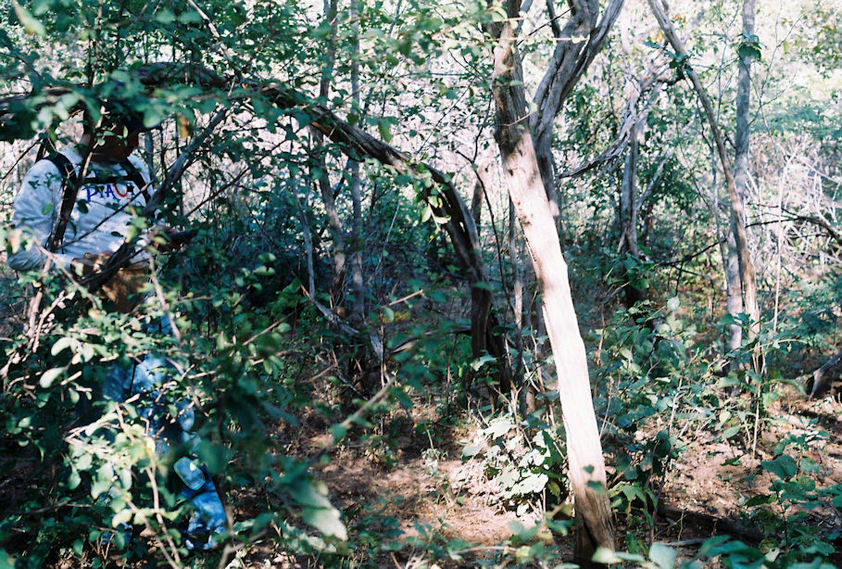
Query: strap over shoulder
pixel 69 191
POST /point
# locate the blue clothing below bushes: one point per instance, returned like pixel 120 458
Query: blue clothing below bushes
pixel 145 379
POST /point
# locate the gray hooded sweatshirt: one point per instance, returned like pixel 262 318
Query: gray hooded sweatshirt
pixel 100 218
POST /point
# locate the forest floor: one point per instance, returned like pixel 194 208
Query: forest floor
pixel 412 487
pixel 429 494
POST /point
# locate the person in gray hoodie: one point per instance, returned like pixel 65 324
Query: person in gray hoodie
pixel 115 187
pixel 78 232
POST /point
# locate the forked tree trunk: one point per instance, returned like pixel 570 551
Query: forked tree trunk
pixel 571 57
pixel 526 189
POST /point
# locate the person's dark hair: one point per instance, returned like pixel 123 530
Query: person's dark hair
pixel 115 117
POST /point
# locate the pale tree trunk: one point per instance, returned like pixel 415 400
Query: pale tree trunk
pixel 746 267
pixel 578 41
pixel 629 205
pixel 517 300
pixel 734 298
pixel 741 174
pixel 331 10
pixel 478 196
pixel 522 176
pixel 357 283
pixel 308 240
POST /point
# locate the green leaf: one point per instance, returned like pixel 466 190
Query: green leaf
pixel 338 431
pixel 60 345
pixel 190 17
pixel 730 432
pixel 750 51
pixel 597 486
pixel 384 128
pixel 27 20
pixel 74 480
pixel 318 511
pixel 165 16
pixel 759 500
pixel 710 544
pixel 214 456
pixel 121 517
pixel 50 376
pixel 479 362
pixel 499 427
pixel 78 547
pixel 470 451
pixel 623 556
pixel 783 467
pixel 605 556
pixel 388 314
pixel 6 560
pixel 662 555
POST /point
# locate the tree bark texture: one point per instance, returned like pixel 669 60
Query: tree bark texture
pixel 331 10
pixel 357 243
pixel 734 297
pixel 522 176
pixel 741 174
pixel 629 205
pixel 577 43
pixel 746 267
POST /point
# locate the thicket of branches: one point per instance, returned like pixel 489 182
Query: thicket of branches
pixel 363 251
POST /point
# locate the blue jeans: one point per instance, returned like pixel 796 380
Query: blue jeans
pixel 144 380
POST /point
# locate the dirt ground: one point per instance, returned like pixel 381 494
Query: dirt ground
pixel 703 493
pixel 714 479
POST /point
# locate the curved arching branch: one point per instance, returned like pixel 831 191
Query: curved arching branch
pixel 437 188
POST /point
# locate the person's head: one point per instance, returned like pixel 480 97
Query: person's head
pixel 115 136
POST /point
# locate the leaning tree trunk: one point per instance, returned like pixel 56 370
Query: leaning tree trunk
pixel 523 179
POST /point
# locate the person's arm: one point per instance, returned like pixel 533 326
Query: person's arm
pixel 35 210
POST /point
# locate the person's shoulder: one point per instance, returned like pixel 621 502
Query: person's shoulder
pixel 71 154
pixel 140 164
pixel 43 168
pixel 56 161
